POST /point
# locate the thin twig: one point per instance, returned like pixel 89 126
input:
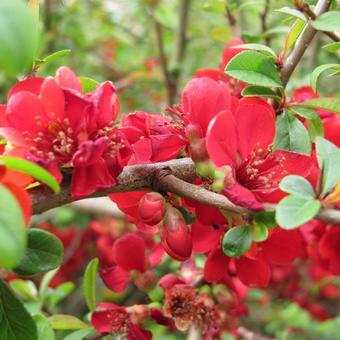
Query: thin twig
pixel 172 176
pixel 264 17
pixel 309 14
pixel 302 44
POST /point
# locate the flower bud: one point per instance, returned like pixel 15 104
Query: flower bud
pixel 151 208
pixel 198 150
pixel 193 132
pixel 175 235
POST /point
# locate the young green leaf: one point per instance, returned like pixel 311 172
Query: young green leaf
pixel 31 169
pixel 18 37
pixel 259 232
pixel 24 289
pixel 292 12
pixel 291 134
pixel 297 185
pixel 328 156
pixel 304 112
pixel 15 322
pixel 332 47
pixel 254 68
pixel 12 230
pixel 326 103
pixel 329 21
pixel 56 55
pixel 259 91
pixel 237 241
pixel 317 72
pixel 315 128
pixel 80 334
pixel 293 34
pixel 88 84
pixel 44 252
pixel 45 331
pixel 257 47
pixel 89 283
pixel 63 321
pixel 293 211
pixel 45 281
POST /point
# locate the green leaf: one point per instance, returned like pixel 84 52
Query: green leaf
pixel 259 232
pixel 317 72
pixel 55 55
pixel 266 217
pixel 332 47
pixel 257 47
pixel 291 12
pixel 329 21
pixel 237 241
pixel 44 252
pixel 45 331
pixel 328 156
pixel 63 321
pixel 254 68
pixel 89 284
pixel 24 289
pixel 259 91
pixel 293 35
pixel 15 322
pixel 297 185
pixel 59 293
pixel 88 84
pixel 18 37
pixel 293 211
pixel 315 128
pixel 304 112
pixel 80 334
pixel 45 281
pixel 291 134
pixel 31 169
pixel 326 103
pixel 12 230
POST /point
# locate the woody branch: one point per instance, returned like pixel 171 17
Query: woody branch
pixel 172 176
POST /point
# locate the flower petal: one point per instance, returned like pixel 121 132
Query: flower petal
pixel 115 278
pixel 253 273
pixel 255 123
pixel 216 266
pixel 203 99
pixel 67 79
pixel 129 252
pixel 204 237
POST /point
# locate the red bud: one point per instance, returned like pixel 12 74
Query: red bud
pixel 151 208
pixel 175 235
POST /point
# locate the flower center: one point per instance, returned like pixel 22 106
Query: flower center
pixel 261 169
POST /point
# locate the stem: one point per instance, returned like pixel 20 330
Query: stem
pixel 264 17
pixel 302 44
pixel 309 14
pixel 172 176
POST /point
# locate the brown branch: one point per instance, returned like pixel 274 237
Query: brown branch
pixel 302 44
pixel 171 79
pixel 235 28
pixel 172 176
pixel 264 17
pixel 309 14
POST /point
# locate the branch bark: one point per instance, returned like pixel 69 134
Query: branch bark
pixel 302 44
pixel 172 176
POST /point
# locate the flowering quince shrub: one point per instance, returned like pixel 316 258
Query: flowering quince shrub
pixel 230 199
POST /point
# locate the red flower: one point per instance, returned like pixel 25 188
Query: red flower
pixel 153 137
pixel 329 248
pixel 131 262
pixel 59 126
pixel 243 141
pixel 253 269
pixel 116 320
